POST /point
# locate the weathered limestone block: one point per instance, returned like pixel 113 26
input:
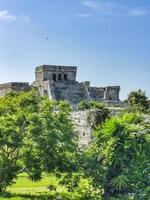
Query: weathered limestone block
pixel 112 93
pixel 83 128
pixel 97 93
pixel 59 82
pixel 55 73
pixel 13 87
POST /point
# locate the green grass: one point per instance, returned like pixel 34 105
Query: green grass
pixel 25 186
pixel 25 189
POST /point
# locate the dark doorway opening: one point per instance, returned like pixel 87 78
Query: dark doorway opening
pixel 65 77
pixel 54 77
pixel 59 77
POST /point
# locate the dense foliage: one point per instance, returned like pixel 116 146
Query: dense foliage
pixel 119 159
pixel 138 101
pixel 36 135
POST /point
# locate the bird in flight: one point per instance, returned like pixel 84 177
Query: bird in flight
pixel 45 36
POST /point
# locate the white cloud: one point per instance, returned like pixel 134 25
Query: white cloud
pixel 91 4
pixel 115 9
pixel 101 6
pixel 83 15
pixel 6 16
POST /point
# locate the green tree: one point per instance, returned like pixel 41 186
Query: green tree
pixel 138 100
pixel 119 158
pixel 56 146
pixel 14 121
pixel 36 135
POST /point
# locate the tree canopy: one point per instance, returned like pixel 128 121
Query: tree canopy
pixel 36 135
pixel 138 100
pixel 119 158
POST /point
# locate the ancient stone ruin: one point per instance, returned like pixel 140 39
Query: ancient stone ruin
pixel 82 127
pixel 13 87
pixel 59 83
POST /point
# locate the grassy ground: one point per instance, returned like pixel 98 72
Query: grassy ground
pixel 24 185
pixel 24 189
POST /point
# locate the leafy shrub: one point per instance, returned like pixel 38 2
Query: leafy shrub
pixel 138 101
pixel 118 160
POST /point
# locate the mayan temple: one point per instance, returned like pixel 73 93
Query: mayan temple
pixel 59 83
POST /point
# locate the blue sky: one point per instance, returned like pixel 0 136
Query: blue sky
pixel 109 41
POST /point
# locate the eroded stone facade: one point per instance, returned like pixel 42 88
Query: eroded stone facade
pixel 82 126
pixel 13 87
pixel 59 82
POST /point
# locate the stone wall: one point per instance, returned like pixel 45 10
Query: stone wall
pixel 112 93
pixel 72 92
pixel 82 127
pixel 97 93
pixel 13 87
pixel 59 82
pixel 55 73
